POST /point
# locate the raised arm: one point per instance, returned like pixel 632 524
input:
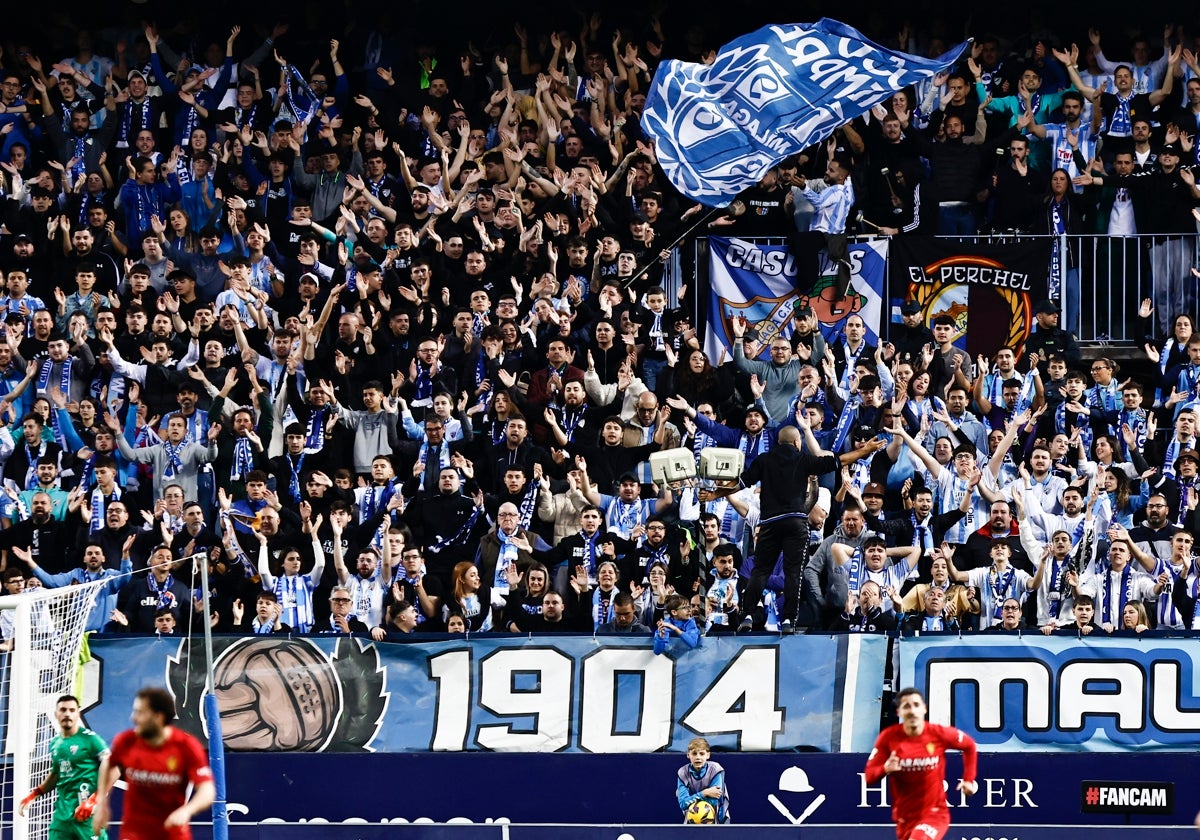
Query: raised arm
pixel 1006 442
pixel 955 574
pixel 339 562
pixel 931 463
pixel 1069 59
pixel 1168 82
pixel 318 568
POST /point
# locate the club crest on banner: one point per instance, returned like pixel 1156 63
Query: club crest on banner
pixel 758 282
pixel 1000 284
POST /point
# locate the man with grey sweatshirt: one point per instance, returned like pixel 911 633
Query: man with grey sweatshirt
pixel 374 427
pixel 778 376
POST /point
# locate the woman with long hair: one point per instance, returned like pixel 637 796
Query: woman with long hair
pixel 920 404
pixel 499 412
pixel 523 609
pixel 180 234
pixel 692 376
pixel 1134 618
pixel 1061 215
pixel 1117 499
pixel 470 598
pixel 87 419
pixel 1168 352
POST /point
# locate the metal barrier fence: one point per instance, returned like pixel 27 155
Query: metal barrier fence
pixel 1113 274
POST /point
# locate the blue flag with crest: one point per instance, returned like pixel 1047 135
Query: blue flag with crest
pixel 768 95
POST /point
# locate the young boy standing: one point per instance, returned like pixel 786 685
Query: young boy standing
pixel 702 779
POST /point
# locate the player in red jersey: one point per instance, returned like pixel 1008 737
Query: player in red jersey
pixel 158 762
pixel 915 761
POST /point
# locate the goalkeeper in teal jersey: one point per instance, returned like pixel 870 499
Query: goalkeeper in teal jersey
pixel 75 756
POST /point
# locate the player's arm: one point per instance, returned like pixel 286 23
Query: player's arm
pixel 683 795
pixel 85 809
pixel 204 792
pixel 717 789
pixel 202 799
pixel 956 739
pixel 45 787
pixel 877 760
pixel 109 773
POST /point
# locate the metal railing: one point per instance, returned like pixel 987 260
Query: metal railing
pixel 1114 277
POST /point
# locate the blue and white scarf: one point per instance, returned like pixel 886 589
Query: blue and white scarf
pixel 459 536
pixel 31 469
pixel 1078 421
pixel 1173 449
pixel 64 388
pixel 314 434
pixel 853 569
pixel 751 446
pixel 174 463
pixel 100 502
pixel 294 468
pixel 844 421
pixel 243 459
pixel 506 558
pixel 166 598
pixel 295 597
pixel 1121 125
pixel 374 497
pixel 851 363
pixel 1123 596
pixel 528 505
pixel 602 606
pixel 423 383
pixel 298 97
pixel 131 124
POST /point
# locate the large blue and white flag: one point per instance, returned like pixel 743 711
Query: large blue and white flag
pixel 758 282
pixel 769 94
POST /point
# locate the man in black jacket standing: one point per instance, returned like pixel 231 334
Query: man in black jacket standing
pixel 784 472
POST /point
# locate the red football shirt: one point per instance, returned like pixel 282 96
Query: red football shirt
pixel 917 788
pixel 157 780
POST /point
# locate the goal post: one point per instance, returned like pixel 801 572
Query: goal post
pixel 44 664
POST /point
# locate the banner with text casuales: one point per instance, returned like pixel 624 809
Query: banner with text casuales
pixel 551 694
pixel 758 282
pixel 1059 693
pixel 999 284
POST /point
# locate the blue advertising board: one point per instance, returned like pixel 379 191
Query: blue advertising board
pixel 1060 693
pixel 782 789
pixel 507 831
pixel 575 694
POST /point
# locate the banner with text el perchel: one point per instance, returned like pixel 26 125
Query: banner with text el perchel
pixel 989 289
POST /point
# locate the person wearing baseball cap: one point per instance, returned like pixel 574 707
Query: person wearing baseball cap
pixel 873 495
pixel 753 438
pixel 911 335
pixel 1050 339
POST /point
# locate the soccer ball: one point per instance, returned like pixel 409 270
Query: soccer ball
pixel 700 812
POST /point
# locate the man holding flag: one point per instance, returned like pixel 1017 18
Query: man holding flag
pixel 831 199
pixel 719 127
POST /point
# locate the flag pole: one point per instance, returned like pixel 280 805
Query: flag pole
pixel 212 712
pixel 703 220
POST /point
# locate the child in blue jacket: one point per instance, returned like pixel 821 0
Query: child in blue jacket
pixel 677 623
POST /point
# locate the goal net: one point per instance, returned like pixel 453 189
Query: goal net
pixel 43 665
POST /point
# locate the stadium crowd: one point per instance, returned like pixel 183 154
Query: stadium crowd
pixel 382 333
